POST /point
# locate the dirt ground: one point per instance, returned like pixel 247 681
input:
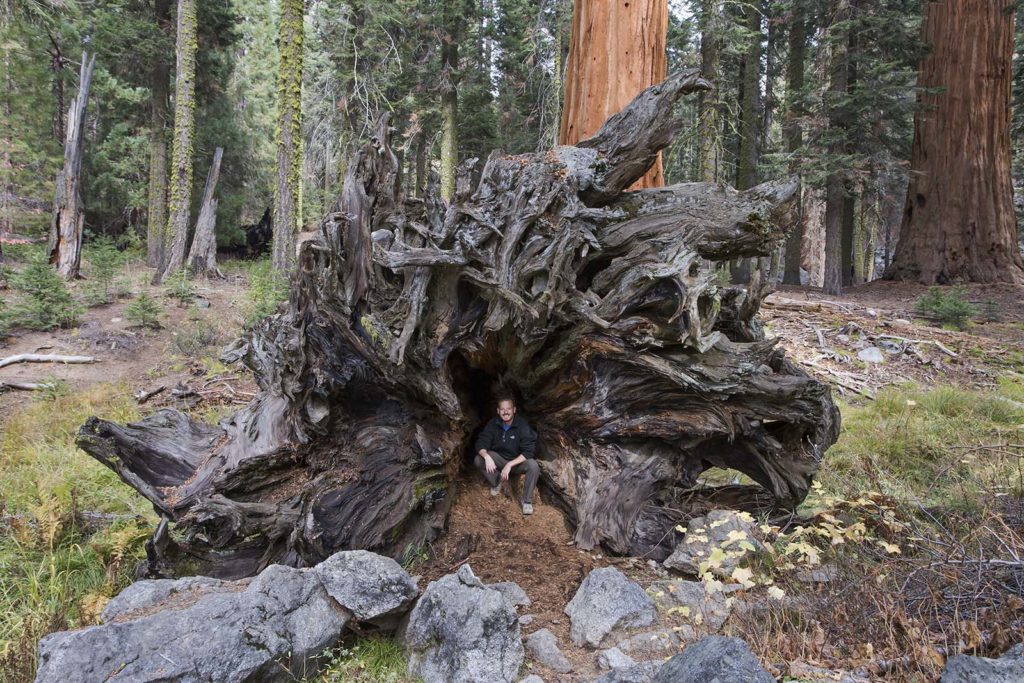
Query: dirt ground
pixel 140 359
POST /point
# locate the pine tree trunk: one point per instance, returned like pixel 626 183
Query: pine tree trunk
pixel 6 144
pixel 750 101
pixel 793 130
pixel 835 183
pixel 958 221
pixel 202 257
pixel 288 189
pixel 421 163
pixel 709 128
pixel 156 231
pixel 449 114
pixel 68 209
pixel 616 50
pixel 184 134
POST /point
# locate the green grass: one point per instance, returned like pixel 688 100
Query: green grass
pixel 944 446
pixel 372 659
pixel 54 573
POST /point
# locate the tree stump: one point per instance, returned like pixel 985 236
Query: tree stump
pixel 599 308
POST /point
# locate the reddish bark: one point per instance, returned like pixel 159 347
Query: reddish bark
pixel 958 221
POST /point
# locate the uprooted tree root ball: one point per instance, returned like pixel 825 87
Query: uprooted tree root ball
pixel 598 307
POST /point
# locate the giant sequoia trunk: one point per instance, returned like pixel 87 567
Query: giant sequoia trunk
pixel 959 222
pixel 597 306
pixel 616 50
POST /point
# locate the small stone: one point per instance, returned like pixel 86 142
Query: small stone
pixel 693 598
pixel 202 303
pixel 115 320
pixel 513 593
pixel 871 354
pixel 532 678
pixel 660 643
pixel 614 658
pixel 526 620
pixel 638 673
pixel 543 646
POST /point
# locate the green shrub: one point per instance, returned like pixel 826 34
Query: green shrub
pixel 949 307
pixel 370 659
pixel 180 287
pixel 267 288
pixel 44 302
pixel 144 311
pixel 103 261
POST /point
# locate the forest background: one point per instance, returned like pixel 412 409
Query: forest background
pixel 775 108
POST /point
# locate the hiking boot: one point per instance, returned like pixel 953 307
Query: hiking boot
pixel 527 509
pixel 495 490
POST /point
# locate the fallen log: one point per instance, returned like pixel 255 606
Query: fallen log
pixel 597 307
pixel 45 358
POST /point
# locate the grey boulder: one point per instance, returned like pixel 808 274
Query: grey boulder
pixel 733 533
pixel 643 672
pixel 605 601
pixel 461 631
pixel 614 658
pixel 144 595
pixel 270 630
pixel 370 586
pixel 714 658
pixel 516 596
pixel 966 669
pixel 693 598
pixel 543 646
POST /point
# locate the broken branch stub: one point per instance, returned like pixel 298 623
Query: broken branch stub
pixel 598 308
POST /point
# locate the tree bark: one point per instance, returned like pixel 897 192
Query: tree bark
pixel 449 112
pixel 68 209
pixel 616 50
pixel 184 134
pixel 159 83
pixel 835 183
pixel 545 278
pixel 288 189
pixel 709 127
pixel 750 101
pixel 958 220
pixel 793 129
pixel 202 257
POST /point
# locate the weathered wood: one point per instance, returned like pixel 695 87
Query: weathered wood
pixel 65 243
pixel 598 308
pixel 202 256
pixel 44 358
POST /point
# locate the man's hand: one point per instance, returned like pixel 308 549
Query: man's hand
pixel 488 463
pixel 505 471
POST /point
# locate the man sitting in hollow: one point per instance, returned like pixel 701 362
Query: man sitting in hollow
pixel 505 447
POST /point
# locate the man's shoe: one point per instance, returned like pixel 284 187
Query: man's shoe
pixel 495 490
pixel 527 509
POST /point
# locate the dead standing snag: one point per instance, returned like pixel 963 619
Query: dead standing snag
pixel 598 305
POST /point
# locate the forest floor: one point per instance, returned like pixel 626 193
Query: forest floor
pixel 917 417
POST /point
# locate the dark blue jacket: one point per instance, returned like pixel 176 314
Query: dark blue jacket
pixel 519 438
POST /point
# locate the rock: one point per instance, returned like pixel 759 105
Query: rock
pixel 143 595
pixel 614 658
pixel 732 533
pixel 543 646
pixel 270 630
pixel 368 585
pixel 512 592
pixel 605 601
pixel 1009 668
pixel 526 620
pixel 871 354
pixel 532 678
pixel 693 601
pixel 661 643
pixel 807 673
pixel 462 631
pixel 714 658
pixel 638 673
pixel 826 573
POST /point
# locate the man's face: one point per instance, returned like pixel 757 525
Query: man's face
pixel 506 411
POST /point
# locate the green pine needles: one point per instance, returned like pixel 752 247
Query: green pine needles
pixel 43 301
pixel 949 307
pixel 144 311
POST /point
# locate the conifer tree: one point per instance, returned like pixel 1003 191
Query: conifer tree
pixel 288 185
